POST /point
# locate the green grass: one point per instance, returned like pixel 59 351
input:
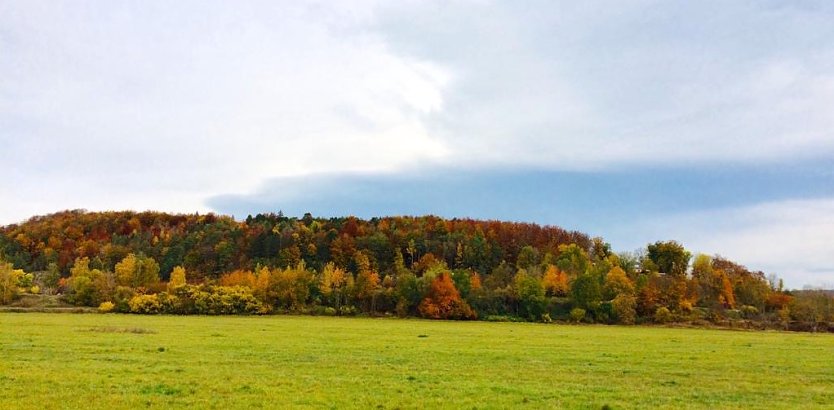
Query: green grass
pixel 123 361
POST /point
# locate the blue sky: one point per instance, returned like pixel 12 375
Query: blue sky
pixel 707 122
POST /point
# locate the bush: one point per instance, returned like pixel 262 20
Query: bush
pixel 122 297
pixel 577 314
pixel 35 289
pixel 624 307
pixel 749 312
pixel 106 307
pixel 347 311
pixel 503 318
pixel 145 304
pixel 663 315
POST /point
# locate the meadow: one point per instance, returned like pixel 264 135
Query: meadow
pixel 50 360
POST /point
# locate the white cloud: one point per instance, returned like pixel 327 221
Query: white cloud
pixel 162 105
pixel 176 102
pixel 567 85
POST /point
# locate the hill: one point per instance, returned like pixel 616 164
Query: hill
pixel 153 262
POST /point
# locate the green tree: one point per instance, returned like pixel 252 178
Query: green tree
pixel 530 294
pixel 572 260
pixel 528 257
pixel 669 257
pixel 51 278
pixel 586 292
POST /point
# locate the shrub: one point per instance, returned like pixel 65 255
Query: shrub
pixel 106 307
pixel 122 297
pixel 145 304
pixel 749 312
pixel 663 315
pixel 577 314
pixel 625 308
pixel 503 318
pixel 35 289
pixel 347 310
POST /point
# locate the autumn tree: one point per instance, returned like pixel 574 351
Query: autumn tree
pixel 239 277
pixel 669 257
pixel 572 260
pixel 617 283
pixel 443 301
pixel 624 306
pixel 290 287
pixel 177 278
pixel 137 271
pixel 332 284
pixel 9 278
pixel 555 282
pixel 813 307
pixel 527 257
pixel 89 287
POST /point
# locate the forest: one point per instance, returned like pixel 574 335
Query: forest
pixel 429 267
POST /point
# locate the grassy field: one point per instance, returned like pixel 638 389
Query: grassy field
pixel 122 361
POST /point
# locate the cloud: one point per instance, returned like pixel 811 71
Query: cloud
pixel 591 85
pixel 197 105
pixel 124 100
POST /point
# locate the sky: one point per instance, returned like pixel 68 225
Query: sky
pixel 709 122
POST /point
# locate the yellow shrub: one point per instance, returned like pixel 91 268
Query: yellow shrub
pixel 106 307
pixel 147 304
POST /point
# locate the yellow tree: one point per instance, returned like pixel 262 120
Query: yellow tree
pixel 617 283
pixel 262 286
pixel 333 281
pixel 137 271
pixel 367 281
pixel 555 282
pixel 177 278
pixel 8 282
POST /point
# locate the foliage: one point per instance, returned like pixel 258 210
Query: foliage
pixel 146 304
pixel 380 266
pixel 443 301
pixel 577 314
pixel 624 306
pixel 586 292
pixel 669 257
pixel 106 307
pixel 530 295
pixel 9 278
pixel 555 282
pixel 137 271
pixel 177 278
pixel 663 315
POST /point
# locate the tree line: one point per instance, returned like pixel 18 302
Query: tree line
pixel 431 267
